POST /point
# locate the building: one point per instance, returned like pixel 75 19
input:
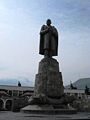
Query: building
pixel 80 93
pixel 16 90
pixel 8 94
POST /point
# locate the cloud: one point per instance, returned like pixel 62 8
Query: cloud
pixel 20 23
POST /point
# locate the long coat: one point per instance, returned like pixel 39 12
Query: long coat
pixel 42 41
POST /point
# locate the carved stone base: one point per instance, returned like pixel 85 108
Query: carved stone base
pixel 49 80
pixel 49 95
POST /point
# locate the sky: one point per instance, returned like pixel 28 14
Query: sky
pixel 20 23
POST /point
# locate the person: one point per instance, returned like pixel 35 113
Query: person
pixel 48 40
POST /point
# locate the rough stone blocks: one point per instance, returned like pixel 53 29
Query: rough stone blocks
pixel 49 80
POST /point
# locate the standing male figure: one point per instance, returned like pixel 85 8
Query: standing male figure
pixel 48 40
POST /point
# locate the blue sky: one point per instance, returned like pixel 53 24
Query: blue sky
pixel 20 22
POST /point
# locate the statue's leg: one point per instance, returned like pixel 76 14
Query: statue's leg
pixel 50 53
pixel 46 55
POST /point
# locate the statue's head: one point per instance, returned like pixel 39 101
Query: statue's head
pixel 48 22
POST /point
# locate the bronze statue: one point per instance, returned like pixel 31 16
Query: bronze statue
pixel 48 40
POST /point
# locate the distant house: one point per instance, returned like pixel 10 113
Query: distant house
pixel 16 90
pixel 77 92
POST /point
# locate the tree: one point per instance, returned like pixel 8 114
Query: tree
pixel 19 84
pixel 86 90
pixel 72 87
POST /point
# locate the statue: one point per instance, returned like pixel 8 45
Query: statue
pixel 48 96
pixel 48 40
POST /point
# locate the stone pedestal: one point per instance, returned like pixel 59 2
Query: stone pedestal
pixel 49 95
pixel 49 80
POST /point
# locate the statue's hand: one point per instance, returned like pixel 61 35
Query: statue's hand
pixel 49 29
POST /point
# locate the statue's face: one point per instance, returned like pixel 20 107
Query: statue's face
pixel 48 22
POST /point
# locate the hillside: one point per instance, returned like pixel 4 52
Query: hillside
pixel 81 83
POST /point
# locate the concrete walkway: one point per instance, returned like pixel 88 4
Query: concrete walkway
pixel 5 115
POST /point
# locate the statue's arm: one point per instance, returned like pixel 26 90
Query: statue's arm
pixel 54 32
pixel 43 30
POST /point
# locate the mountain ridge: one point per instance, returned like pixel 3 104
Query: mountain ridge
pixel 81 83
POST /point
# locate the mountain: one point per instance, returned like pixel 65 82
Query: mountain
pixel 81 83
pixel 14 81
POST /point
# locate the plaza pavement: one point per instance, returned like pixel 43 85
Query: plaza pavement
pixel 7 115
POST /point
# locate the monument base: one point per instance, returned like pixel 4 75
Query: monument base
pixel 49 97
pixel 49 80
pixel 47 109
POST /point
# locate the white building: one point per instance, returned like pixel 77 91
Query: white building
pixel 17 91
pixel 77 92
